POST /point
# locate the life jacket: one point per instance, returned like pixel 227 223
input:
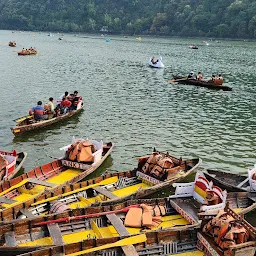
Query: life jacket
pixel 160 170
pixel 47 109
pixel 144 216
pixel 236 234
pixel 3 163
pixel 152 160
pixel 81 151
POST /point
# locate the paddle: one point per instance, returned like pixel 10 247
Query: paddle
pixel 92 215
pixel 104 182
pixel 20 119
pixel 126 241
pixel 175 80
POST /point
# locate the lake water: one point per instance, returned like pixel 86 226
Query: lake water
pixel 128 102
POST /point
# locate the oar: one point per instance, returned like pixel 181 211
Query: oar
pixel 126 241
pixel 175 80
pixel 104 182
pixel 22 118
pixel 79 217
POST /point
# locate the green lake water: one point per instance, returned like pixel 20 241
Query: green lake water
pixel 129 103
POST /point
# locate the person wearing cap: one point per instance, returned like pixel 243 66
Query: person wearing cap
pixel 191 74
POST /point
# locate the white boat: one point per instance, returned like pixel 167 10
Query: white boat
pixel 156 62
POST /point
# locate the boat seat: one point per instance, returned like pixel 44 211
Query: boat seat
pixel 41 182
pixel 105 193
pixel 7 200
pixel 55 233
pixel 129 250
pixel 27 213
pixel 10 238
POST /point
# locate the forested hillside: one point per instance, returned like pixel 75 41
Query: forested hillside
pixel 211 18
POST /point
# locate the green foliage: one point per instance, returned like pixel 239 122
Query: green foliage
pixel 219 18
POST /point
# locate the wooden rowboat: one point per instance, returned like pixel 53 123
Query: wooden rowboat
pixel 25 124
pixel 200 83
pixel 12 44
pixel 27 53
pixel 110 187
pixel 16 161
pixel 228 180
pixel 28 185
pixel 98 226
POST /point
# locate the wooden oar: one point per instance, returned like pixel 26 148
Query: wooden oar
pixel 20 119
pixel 92 215
pixel 175 80
pixel 126 241
pixel 104 182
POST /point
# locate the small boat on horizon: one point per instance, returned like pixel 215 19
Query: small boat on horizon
pixel 192 46
pixel 156 62
pixel 12 44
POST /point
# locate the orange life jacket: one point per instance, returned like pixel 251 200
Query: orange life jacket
pixel 160 170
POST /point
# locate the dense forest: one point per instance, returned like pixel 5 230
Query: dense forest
pixel 208 18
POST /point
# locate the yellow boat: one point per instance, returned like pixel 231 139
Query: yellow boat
pixel 23 188
pixel 110 187
pixel 74 233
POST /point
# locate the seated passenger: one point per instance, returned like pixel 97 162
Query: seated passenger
pixel 49 108
pixel 38 112
pixel 219 80
pixel 191 75
pixel 199 76
pixel 65 105
pixel 213 79
pixel 76 100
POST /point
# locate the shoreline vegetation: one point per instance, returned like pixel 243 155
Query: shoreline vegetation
pixel 229 19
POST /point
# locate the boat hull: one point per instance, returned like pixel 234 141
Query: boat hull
pixel 201 83
pixel 20 129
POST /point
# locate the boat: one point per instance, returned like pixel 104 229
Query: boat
pixel 15 162
pixel 192 46
pixel 27 123
pixel 203 196
pixel 230 235
pixel 107 188
pixel 60 38
pixel 156 63
pixel 233 182
pixel 200 83
pixel 12 44
pixel 27 53
pixel 62 171
pixel 138 38
pixel 102 223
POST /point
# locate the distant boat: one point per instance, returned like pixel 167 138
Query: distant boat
pixel 108 40
pixel 60 38
pixel 192 46
pixel 12 44
pixel 138 38
pixel 156 63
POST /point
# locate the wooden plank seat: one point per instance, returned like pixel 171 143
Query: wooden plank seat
pixel 188 207
pixel 105 192
pixel 10 239
pixel 129 250
pixel 6 200
pixel 41 182
pixel 27 213
pixel 55 233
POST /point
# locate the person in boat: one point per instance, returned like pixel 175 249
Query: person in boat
pixel 153 60
pixel 65 105
pixel 23 50
pixel 199 76
pixel 49 108
pixel 76 100
pixel 191 75
pixel 213 79
pixel 219 80
pixel 66 95
pixel 38 112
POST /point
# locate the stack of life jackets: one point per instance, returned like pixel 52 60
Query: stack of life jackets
pixel 158 166
pixel 3 163
pixel 226 231
pixel 144 216
pixel 81 151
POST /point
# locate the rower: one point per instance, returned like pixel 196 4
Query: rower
pixel 190 75
pixel 219 80
pixel 199 76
